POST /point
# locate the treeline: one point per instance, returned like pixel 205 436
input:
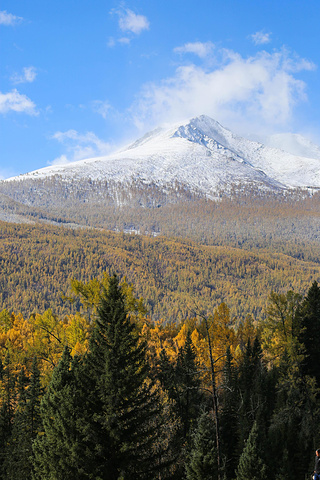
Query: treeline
pixel 116 396
pixel 38 261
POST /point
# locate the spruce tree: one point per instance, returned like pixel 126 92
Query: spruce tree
pixel 189 397
pixel 56 451
pixel 251 465
pixel 7 402
pixel 26 425
pixel 202 460
pixel 123 401
pixel 230 401
pixel 310 332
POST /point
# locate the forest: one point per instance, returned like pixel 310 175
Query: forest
pixel 247 219
pixel 110 393
pixel 38 262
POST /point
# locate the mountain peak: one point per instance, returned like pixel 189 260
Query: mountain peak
pixel 201 130
pixel 199 154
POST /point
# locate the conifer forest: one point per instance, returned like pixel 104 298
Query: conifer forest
pixel 129 357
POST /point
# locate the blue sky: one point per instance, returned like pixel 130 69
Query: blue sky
pixel 79 79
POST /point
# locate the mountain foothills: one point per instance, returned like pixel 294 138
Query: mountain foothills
pixel 160 311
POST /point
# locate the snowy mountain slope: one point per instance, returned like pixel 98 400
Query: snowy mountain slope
pixel 199 154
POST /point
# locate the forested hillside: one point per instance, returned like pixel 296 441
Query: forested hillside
pixel 249 219
pixel 37 263
pixel 120 396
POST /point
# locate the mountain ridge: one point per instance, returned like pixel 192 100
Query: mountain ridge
pixel 199 153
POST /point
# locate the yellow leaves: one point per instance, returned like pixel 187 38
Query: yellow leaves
pixel 43 336
pixel 89 292
pixel 180 339
pixel 77 334
pixel 3 339
pixel 280 331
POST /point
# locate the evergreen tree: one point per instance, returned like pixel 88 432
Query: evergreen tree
pixel 7 401
pixel 310 332
pixel 26 425
pixel 256 390
pixel 166 375
pixel 251 465
pixel 189 397
pixel 123 402
pixel 230 401
pixel 56 452
pixel 202 460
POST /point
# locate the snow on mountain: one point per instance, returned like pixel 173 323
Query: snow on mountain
pixel 200 154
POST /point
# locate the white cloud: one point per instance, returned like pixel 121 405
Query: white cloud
pixel 124 40
pixel 197 48
pixel 15 101
pixel 79 146
pixel 9 19
pixel 261 90
pixel 131 22
pixel 28 75
pixel 103 108
pixel 261 38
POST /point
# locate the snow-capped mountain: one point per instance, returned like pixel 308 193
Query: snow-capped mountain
pixel 199 154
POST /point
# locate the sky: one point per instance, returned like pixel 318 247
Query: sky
pixel 81 78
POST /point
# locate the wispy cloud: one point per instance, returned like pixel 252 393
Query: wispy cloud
pixel 200 49
pixel 261 38
pixel 16 102
pixel 9 19
pixel 261 90
pixel 101 107
pixel 132 22
pixel 79 146
pixel 28 75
